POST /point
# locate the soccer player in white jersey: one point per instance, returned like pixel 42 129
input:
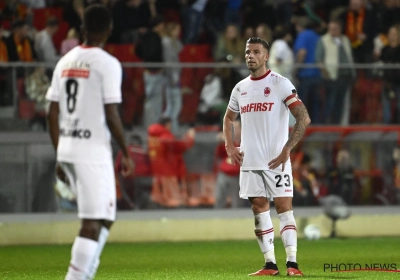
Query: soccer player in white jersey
pixel 263 101
pixel 84 94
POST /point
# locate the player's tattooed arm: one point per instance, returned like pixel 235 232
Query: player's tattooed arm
pixel 302 121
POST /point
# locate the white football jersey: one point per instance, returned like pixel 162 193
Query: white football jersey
pixel 263 104
pixel 84 80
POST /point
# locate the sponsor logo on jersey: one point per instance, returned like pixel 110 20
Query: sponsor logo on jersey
pixel 76 69
pixel 76 133
pixel 267 91
pixel 75 73
pixel 288 190
pixel 243 93
pixel 256 107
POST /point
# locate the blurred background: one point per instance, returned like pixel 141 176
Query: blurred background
pixel 342 56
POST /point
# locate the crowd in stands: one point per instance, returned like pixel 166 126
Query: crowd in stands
pixel 331 37
pixel 300 31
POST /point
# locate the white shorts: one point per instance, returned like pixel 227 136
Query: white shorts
pixel 95 189
pixel 265 183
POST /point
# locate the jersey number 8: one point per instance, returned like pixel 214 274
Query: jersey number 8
pixel 71 87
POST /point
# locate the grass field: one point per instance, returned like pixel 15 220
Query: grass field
pixel 204 260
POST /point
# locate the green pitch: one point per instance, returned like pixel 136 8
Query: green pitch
pixel 205 260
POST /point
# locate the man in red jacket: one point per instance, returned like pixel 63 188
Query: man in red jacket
pixel 166 158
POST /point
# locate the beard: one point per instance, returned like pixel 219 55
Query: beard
pixel 253 67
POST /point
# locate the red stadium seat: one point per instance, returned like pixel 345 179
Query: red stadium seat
pixel 40 16
pixel 60 35
pixel 123 52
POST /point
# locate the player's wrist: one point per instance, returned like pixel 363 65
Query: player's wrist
pixel 286 149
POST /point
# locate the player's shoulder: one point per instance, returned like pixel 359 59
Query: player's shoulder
pixel 105 57
pixel 277 79
pixel 242 84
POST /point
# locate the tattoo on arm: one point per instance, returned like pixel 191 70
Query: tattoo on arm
pixel 302 120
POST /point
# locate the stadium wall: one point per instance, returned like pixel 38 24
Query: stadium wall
pixel 192 225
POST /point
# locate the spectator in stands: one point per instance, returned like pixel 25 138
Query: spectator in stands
pixel 233 13
pixel 227 184
pixel 36 86
pixel 134 189
pixel 361 28
pixel 388 14
pixel 192 17
pixel 215 94
pixel 168 166
pixel 172 46
pixel 150 49
pixel 131 19
pixel 214 24
pixel 14 10
pixel 70 42
pixel 391 80
pixel 342 180
pixel 333 50
pixel 248 32
pixel 264 32
pixel 281 57
pixel 305 8
pixel 305 184
pixel 308 78
pixel 44 45
pixel 380 41
pixel 73 14
pixel 230 45
pixel 19 46
pixel 212 105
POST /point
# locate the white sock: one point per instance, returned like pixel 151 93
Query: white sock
pixel 288 232
pixel 103 235
pixel 264 231
pixel 83 252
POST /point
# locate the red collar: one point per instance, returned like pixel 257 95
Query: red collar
pixel 262 77
pixel 87 47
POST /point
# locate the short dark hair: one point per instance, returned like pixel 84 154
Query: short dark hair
pixel 97 19
pixel 257 40
pixel 52 22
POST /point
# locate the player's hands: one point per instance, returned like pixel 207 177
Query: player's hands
pixel 128 166
pixel 281 159
pixel 235 153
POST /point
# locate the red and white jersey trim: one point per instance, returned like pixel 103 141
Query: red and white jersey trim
pixel 292 101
